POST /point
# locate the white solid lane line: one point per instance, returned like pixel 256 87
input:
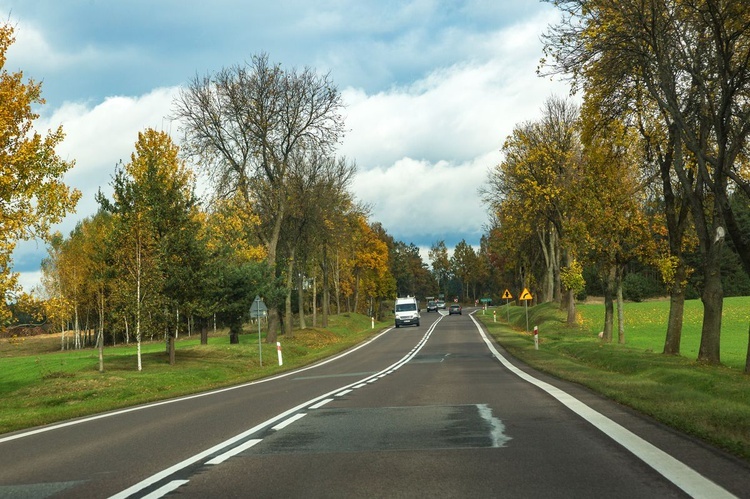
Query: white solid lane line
pixel 240 448
pixel 677 472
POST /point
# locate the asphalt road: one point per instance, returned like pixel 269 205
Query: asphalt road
pixel 437 410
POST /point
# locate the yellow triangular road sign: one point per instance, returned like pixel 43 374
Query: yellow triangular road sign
pixel 507 295
pixel 525 295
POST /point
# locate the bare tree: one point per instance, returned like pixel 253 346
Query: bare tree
pixel 243 125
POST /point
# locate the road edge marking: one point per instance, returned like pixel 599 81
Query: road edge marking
pixel 674 470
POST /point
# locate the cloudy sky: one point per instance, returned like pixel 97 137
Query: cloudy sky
pixel 432 88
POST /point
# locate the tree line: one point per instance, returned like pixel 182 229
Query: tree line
pixel 650 171
pixel 156 262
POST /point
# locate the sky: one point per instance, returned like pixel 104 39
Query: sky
pixel 431 90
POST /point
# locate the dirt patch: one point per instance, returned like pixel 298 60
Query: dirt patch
pixel 23 331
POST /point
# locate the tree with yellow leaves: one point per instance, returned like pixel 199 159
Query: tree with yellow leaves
pixel 691 61
pixel 33 196
pixel 530 195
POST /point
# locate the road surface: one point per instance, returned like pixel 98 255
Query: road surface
pixel 437 410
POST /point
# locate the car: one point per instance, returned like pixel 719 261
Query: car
pixel 432 306
pixel 440 304
pixel 455 308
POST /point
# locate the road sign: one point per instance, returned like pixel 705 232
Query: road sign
pixel 525 295
pixel 507 295
pixel 258 308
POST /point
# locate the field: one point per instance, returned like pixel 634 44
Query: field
pixel 646 326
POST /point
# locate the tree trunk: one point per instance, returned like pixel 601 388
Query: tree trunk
pixel 676 312
pixel 356 291
pixel 274 314
pixel 288 314
pixel 609 309
pixel 301 300
pixel 620 309
pixel 747 359
pixel 570 296
pixel 171 351
pixel 77 329
pixel 138 308
pixel 326 305
pixel 713 303
pixel 315 301
pixel 548 251
pixel 234 333
pixel 100 338
pixel 204 332
pixel 337 283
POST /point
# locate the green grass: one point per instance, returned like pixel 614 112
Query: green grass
pixel 646 327
pixel 709 402
pixel 41 385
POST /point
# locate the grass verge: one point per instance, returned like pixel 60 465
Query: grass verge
pixel 709 402
pixel 42 385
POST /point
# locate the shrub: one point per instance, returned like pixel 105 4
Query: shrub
pixel 638 287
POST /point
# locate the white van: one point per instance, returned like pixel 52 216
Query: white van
pixel 406 311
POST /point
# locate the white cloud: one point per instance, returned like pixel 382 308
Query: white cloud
pixel 423 202
pixel 423 148
pixel 32 51
pixel 98 137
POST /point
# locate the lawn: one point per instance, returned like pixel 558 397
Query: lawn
pixel 646 327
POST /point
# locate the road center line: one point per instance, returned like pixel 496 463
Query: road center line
pixel 227 445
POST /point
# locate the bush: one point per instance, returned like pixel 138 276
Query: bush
pixel 638 287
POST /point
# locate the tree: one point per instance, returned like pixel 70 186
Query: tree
pixel 530 192
pixel 156 232
pixel 440 264
pixel 372 275
pixel 410 272
pixel 464 266
pixel 318 199
pixel 244 125
pixel 610 202
pixel 33 194
pixel 690 58
pixel 234 273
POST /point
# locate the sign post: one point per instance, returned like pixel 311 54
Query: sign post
pixel 257 310
pixel 507 297
pixel 526 296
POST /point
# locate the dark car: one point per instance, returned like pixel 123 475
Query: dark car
pixel 455 309
pixel 432 306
